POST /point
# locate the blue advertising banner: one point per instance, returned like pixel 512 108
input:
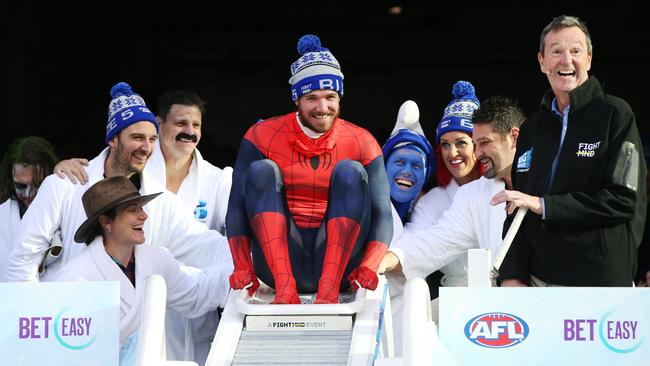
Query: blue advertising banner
pixel 60 323
pixel 546 326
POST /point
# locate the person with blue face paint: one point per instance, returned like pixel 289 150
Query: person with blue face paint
pixel 406 166
pixel 408 157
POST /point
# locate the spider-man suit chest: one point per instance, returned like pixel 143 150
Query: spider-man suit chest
pixel 307 164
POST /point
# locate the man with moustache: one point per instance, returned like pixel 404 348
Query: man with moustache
pixel 131 133
pixel 203 189
pixel 471 221
pixel 310 196
pixel 178 163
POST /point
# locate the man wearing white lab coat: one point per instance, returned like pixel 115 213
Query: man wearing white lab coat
pixel 203 188
pixel 178 164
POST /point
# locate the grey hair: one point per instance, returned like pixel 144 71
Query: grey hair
pixel 561 22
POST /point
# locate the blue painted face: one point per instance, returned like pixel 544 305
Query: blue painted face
pixel 405 170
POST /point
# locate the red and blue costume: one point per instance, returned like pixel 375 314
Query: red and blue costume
pixel 315 213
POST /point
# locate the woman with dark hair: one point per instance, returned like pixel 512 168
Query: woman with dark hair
pixel 114 233
pixel 25 164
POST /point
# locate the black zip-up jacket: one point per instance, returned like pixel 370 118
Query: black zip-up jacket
pixel 595 206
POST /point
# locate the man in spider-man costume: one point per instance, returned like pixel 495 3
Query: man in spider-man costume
pixel 310 197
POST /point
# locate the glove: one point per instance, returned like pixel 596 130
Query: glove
pixel 366 278
pixel 241 277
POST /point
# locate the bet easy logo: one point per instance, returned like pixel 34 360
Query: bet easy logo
pixel 71 332
pixel 496 330
pixel 617 335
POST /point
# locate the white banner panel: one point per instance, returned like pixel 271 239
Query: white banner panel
pixel 546 326
pixel 60 323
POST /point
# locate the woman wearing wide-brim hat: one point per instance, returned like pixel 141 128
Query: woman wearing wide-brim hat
pixel 113 233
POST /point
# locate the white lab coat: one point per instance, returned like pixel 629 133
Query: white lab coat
pixel 189 290
pixel 470 222
pixel 426 213
pixel 204 182
pixel 9 221
pixel 58 204
pixel 207 183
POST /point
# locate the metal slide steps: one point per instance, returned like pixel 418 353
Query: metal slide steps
pixel 254 332
pixel 293 348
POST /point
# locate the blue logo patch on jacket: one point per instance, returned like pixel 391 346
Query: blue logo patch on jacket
pixel 523 163
pixel 201 211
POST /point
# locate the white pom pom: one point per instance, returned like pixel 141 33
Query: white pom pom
pixel 408 115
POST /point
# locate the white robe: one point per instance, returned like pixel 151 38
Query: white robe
pixel 204 182
pixel 189 290
pixel 9 221
pixel 426 213
pixel 58 204
pixel 207 183
pixel 470 222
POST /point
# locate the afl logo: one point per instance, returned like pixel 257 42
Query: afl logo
pixel 496 330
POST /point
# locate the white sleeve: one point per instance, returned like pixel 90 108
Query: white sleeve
pixel 194 292
pixel 425 251
pixel 188 240
pixel 35 232
pixel 428 209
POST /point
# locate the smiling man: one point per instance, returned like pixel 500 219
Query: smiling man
pixel 310 195
pixel 580 172
pixel 203 188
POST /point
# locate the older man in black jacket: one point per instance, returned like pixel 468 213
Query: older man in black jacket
pixel 579 170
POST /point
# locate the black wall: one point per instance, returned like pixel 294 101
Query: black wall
pixel 58 62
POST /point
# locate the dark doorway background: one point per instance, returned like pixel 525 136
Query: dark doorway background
pixel 58 62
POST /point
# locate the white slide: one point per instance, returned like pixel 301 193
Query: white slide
pixel 254 332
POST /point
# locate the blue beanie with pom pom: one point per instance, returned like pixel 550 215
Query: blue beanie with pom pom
pixel 316 69
pixel 458 113
pixel 125 109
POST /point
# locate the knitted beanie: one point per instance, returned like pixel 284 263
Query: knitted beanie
pixel 125 109
pixel 316 69
pixel 458 113
pixel 408 133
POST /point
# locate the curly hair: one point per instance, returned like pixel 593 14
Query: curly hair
pixel 561 22
pixel 32 150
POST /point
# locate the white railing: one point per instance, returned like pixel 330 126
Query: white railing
pixel 151 344
pixel 480 270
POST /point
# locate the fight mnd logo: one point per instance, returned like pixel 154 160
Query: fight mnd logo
pixel 70 330
pixel 496 330
pixel 617 334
